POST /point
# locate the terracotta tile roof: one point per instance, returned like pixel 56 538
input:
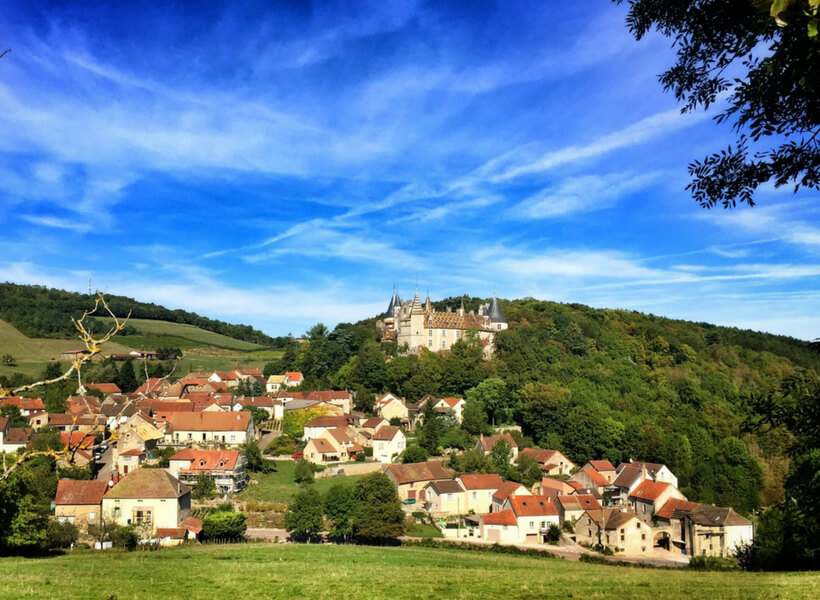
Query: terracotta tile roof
pixel 674 504
pixel 192 524
pixel 105 388
pixel 18 435
pixel 502 517
pixel 78 405
pixel 579 502
pixel 595 477
pixel 489 442
pixel 327 395
pixel 252 371
pixel 627 476
pixel 24 403
pixel 557 484
pixel 70 491
pixel 293 375
pixel 208 460
pixel 323 446
pixel 453 402
pixel 374 422
pixel 344 439
pixel 83 439
pixel 148 483
pixel 425 471
pixel 601 465
pixel 532 506
pixel 175 533
pixel 386 433
pixel 507 489
pixel 209 421
pixel 4 422
pixel 476 481
pixel 132 452
pixel 650 490
pixel 258 401
pixel 542 456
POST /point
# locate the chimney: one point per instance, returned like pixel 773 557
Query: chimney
pixel 643 472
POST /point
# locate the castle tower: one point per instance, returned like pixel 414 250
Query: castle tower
pixel 497 319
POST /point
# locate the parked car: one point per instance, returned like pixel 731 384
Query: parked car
pixel 297 456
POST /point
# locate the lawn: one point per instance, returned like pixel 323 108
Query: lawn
pixel 423 530
pixel 188 336
pixel 280 486
pixel 328 572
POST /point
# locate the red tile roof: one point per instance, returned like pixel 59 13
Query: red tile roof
pixel 489 442
pixel 24 403
pixel 374 422
pixel 601 465
pixel 670 506
pixel 293 375
pixel 3 423
pixel 507 489
pixel 502 517
pixel 453 402
pixel 595 477
pixel 475 481
pixel 192 524
pixel 84 440
pixel 208 460
pixel 542 456
pixel 579 502
pixel 175 533
pixel 532 506
pixel 327 422
pixel 105 388
pixel 650 490
pixel 210 421
pixel 72 492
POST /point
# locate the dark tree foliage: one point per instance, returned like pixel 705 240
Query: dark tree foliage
pixel 38 311
pixel 429 434
pixel 340 509
pixel 303 519
pixel 303 473
pixel 256 463
pixel 414 454
pixel 379 514
pixel 768 69
pixel 224 525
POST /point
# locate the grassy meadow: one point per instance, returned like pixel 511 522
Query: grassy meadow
pixel 281 486
pixel 327 572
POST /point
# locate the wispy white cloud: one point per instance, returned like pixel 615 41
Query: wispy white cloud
pixel 57 223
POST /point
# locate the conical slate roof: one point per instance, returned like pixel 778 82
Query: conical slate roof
pixel 495 314
pixel 394 302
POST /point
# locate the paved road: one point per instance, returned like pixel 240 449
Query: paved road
pixel 267 438
pixel 106 463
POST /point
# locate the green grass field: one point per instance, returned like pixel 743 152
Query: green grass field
pixel 204 350
pixel 327 572
pixel 280 486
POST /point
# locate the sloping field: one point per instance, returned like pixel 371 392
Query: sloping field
pixel 195 336
pixel 32 354
pixel 327 572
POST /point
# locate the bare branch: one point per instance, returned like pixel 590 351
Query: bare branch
pixel 4 52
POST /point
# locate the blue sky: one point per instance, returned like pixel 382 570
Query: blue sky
pixel 283 165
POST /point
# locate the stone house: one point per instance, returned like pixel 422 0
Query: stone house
pixel 479 490
pixel 388 443
pixel 411 479
pixel 617 527
pixel 151 498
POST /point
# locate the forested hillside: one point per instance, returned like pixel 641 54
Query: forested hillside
pixel 597 383
pixel 38 311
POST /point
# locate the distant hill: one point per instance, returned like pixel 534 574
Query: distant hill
pixel 41 312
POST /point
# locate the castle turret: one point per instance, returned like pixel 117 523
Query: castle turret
pixel 428 306
pixel 497 318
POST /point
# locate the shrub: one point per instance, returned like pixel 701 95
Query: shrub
pixel 61 535
pixel 124 537
pixel 224 525
pixel 303 472
pixel 712 563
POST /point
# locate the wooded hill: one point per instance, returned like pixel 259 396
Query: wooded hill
pixel 41 312
pixel 597 384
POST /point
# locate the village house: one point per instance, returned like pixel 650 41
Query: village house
pixel 589 478
pixel 373 423
pixel 229 378
pixel 135 439
pixel 445 406
pixel 15 438
pixel 619 528
pixel 701 529
pixel 388 443
pixel 274 384
pixel 604 467
pixel 225 467
pixel 551 462
pixel 80 502
pixel 27 406
pixel 410 479
pixel 67 421
pixel 293 379
pixel 105 388
pixel 150 498
pixel 521 520
pixel 390 407
pixel 487 443
pixel 319 425
pixel 648 497
pixel 232 429
pixel 631 474
pixel 38 419
pixel 444 497
pixel 333 445
pixel 479 490
pixel 83 405
pixel 273 406
pixel 572 508
pixel 505 491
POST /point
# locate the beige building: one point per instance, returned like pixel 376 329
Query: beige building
pixel 701 529
pixel 487 443
pixel 317 426
pixel 603 467
pixel 151 498
pixel 390 407
pixel 650 496
pixel 618 528
pixel 507 489
pixel 413 326
pixel 444 497
pixel 229 428
pixel 552 462
pixel 411 479
pixel 479 490
pixel 572 508
pixel 333 445
pixel 388 443
pixel 522 520
pixel 135 438
pixel 79 502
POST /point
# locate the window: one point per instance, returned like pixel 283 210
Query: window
pixel 430 343
pixel 475 495
pixel 622 537
pixel 233 438
pixel 91 516
pixel 643 536
pixel 532 523
pixel 141 515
